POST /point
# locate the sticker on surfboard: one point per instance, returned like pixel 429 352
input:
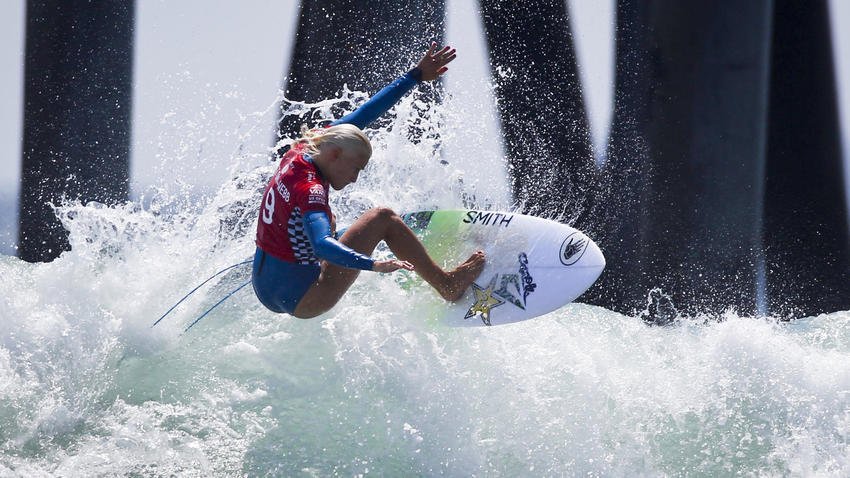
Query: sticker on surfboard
pixel 534 265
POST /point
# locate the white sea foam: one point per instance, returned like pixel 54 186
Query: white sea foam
pixel 88 388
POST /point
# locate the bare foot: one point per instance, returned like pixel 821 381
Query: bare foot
pixel 460 278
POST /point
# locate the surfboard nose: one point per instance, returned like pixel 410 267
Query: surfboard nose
pixel 594 257
pixel 591 264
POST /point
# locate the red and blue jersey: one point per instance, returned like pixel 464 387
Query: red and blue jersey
pixel 296 189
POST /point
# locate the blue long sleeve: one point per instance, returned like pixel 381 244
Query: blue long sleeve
pixel 318 229
pixel 382 101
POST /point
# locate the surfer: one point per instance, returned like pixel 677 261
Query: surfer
pixel 300 268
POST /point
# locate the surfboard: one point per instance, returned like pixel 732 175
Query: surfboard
pixel 534 265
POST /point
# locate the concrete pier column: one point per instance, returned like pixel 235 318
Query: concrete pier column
pixel 77 105
pixel 806 233
pixel 687 154
pixel 362 44
pixel 539 97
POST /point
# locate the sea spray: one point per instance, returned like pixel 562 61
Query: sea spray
pixel 376 386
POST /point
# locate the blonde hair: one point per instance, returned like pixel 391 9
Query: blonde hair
pixel 346 136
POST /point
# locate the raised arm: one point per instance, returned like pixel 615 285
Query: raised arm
pixel 429 68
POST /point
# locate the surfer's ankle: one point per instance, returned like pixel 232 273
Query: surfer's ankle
pixel 462 277
pixel 452 293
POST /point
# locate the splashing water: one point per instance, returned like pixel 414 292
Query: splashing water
pixel 88 388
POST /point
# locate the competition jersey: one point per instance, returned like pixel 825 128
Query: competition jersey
pixel 296 189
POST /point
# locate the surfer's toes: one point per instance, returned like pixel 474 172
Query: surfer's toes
pixel 463 275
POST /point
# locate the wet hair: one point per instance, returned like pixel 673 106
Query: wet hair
pixel 346 136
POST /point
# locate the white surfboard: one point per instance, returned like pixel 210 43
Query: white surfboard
pixel 534 265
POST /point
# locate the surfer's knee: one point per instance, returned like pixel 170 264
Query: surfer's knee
pixel 383 215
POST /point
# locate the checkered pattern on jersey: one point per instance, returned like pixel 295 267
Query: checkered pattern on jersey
pixel 302 250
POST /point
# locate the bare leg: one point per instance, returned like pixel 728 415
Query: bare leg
pixel 374 226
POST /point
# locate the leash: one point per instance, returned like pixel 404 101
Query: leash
pixel 198 287
pixel 216 305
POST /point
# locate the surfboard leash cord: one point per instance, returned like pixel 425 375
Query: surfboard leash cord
pixel 216 305
pixel 201 285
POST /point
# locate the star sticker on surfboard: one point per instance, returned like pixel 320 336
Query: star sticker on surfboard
pixel 484 301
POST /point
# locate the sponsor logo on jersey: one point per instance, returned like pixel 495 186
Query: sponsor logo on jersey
pixel 281 189
pixel 573 248
pixel 316 195
pixel 497 219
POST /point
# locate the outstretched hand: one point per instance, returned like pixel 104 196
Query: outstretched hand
pixel 391 266
pixel 434 64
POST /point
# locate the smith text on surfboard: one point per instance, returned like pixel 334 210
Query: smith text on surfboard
pixel 488 218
